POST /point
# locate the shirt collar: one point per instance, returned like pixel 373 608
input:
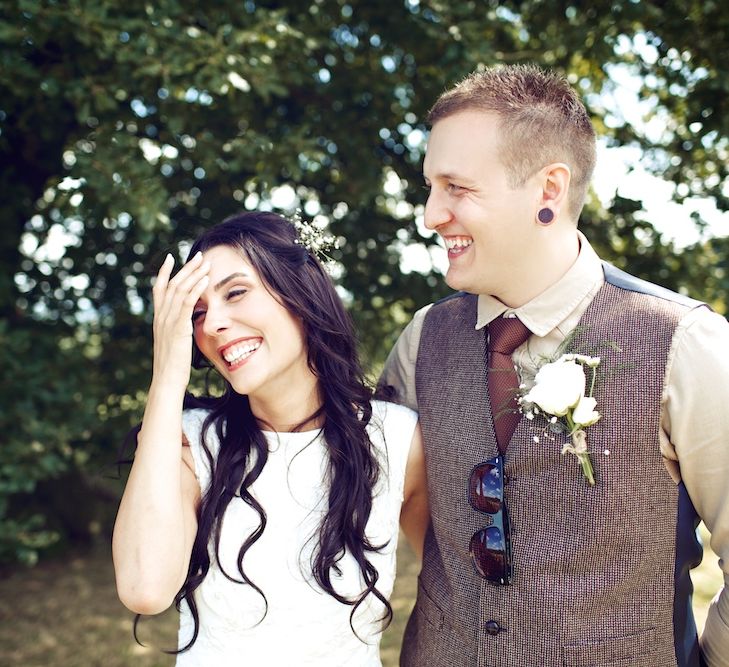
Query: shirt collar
pixel 545 311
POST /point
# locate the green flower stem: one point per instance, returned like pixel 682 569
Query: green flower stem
pixel 592 384
pixel 587 470
pixel 579 449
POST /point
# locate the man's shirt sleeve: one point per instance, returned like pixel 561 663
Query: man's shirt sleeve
pixel 695 434
pixel 399 372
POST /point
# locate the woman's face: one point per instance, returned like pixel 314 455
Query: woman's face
pixel 257 345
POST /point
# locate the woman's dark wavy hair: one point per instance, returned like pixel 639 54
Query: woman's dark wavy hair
pixel 296 278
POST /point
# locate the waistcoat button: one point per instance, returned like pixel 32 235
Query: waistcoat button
pixel 492 627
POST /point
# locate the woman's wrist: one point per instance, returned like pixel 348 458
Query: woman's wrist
pixel 166 394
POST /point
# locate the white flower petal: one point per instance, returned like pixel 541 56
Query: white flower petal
pixel 584 413
pixel 558 387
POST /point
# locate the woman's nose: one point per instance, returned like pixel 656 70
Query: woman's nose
pixel 216 321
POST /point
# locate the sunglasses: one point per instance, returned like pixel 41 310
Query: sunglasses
pixel 490 547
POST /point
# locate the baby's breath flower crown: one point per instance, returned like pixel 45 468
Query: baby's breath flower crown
pixel 315 239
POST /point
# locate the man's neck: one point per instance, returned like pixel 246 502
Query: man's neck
pixel 536 277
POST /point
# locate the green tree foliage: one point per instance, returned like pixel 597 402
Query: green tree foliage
pixel 125 128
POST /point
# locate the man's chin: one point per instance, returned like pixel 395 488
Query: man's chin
pixel 458 282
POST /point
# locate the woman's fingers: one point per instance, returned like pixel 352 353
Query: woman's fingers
pixel 174 301
pixel 191 295
pixel 163 278
pixel 184 289
pixel 176 294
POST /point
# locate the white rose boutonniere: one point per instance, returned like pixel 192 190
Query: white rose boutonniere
pixel 559 393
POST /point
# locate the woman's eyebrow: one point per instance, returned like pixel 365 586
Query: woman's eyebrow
pixel 232 276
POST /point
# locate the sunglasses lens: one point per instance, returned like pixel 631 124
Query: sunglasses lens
pixel 485 488
pixel 489 553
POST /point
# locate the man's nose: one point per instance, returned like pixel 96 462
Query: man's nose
pixel 437 212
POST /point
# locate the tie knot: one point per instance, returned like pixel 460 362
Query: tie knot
pixel 506 334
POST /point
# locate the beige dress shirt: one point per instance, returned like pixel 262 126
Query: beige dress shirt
pixel 694 434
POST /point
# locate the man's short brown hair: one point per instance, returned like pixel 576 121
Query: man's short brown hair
pixel 542 119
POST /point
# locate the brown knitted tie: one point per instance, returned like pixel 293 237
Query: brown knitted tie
pixel 505 335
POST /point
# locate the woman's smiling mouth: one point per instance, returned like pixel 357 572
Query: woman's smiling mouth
pixel 235 353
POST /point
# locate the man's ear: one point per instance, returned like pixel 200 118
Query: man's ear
pixel 555 184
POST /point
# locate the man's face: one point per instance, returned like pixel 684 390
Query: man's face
pixel 487 225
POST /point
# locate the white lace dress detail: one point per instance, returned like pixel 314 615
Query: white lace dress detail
pixel 303 625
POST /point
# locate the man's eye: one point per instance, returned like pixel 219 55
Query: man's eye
pixel 453 188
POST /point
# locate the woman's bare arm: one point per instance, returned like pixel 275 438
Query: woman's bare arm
pixel 415 513
pixel 156 522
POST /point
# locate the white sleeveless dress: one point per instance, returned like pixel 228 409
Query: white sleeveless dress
pixel 303 625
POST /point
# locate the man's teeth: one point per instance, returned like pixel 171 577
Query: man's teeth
pixel 458 242
pixel 238 352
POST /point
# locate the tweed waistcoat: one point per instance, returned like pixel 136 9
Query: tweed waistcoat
pixel 593 581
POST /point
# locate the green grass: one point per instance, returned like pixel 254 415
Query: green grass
pixel 65 613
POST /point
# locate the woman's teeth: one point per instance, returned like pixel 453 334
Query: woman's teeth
pixel 238 352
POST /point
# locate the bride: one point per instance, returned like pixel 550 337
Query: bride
pixel 269 514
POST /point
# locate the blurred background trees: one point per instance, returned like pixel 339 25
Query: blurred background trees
pixel 127 127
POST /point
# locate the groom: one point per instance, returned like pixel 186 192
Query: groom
pixel 526 563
